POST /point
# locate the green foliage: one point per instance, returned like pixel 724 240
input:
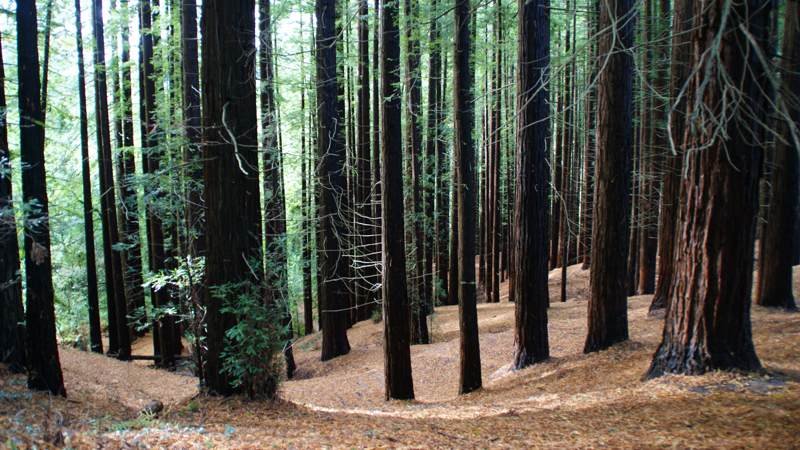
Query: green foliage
pixel 253 343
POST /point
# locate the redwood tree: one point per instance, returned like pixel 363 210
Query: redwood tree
pixel 12 328
pixel 608 320
pixel 532 186
pixel 707 323
pixel 780 237
pixel 95 337
pixel 119 335
pixel 334 295
pixel 396 332
pixel 463 109
pixel 44 368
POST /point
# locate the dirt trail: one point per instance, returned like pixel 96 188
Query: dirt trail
pixel 93 377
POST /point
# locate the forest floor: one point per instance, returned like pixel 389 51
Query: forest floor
pixel 573 400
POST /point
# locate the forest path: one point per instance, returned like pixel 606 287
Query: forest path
pixel 93 378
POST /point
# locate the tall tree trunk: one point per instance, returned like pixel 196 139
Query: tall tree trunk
pixel 44 368
pixel 437 149
pixel 463 109
pixel 707 323
pixel 305 201
pixel 275 200
pixel 12 317
pixel 531 196
pixel 230 159
pixel 130 203
pixel 673 159
pixel 119 335
pixel 396 333
pixel 608 316
pixel 95 337
pixel 587 199
pixel 375 165
pixel 779 235
pixel 648 214
pixel 331 152
pixel 366 299
pixel 413 84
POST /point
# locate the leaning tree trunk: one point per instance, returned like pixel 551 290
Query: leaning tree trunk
pixel 44 368
pixel 608 319
pixel 12 329
pixel 531 196
pixel 463 109
pixel 334 299
pixel 396 334
pixel 779 236
pixel 708 311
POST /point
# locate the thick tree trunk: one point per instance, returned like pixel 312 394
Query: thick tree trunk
pixel 334 293
pixel 44 368
pixel 779 236
pixel 119 335
pixel 531 196
pixel 93 302
pixel 708 313
pixel 12 316
pixel 463 109
pixel 396 332
pixel 230 159
pixel 608 319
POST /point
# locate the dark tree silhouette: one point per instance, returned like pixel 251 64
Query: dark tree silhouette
pixel 334 296
pixel 230 170
pixel 779 236
pixel 396 332
pixel 44 368
pixel 119 334
pixel 531 295
pixel 608 319
pixel 673 163
pixel 12 316
pixel 463 109
pixel 95 337
pixel 275 200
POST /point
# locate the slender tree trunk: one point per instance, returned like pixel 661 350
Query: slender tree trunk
pixel 413 83
pixel 119 335
pixel 463 109
pixel 673 159
pixel 366 299
pixel 375 165
pixel 334 293
pixel 608 318
pixel 587 199
pixel 44 368
pixel 531 196
pixel 305 202
pixel 12 315
pixel 275 200
pixel 396 333
pixel 130 202
pixel 648 227
pixel 707 323
pixel 779 235
pixel 437 149
pixel 95 337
